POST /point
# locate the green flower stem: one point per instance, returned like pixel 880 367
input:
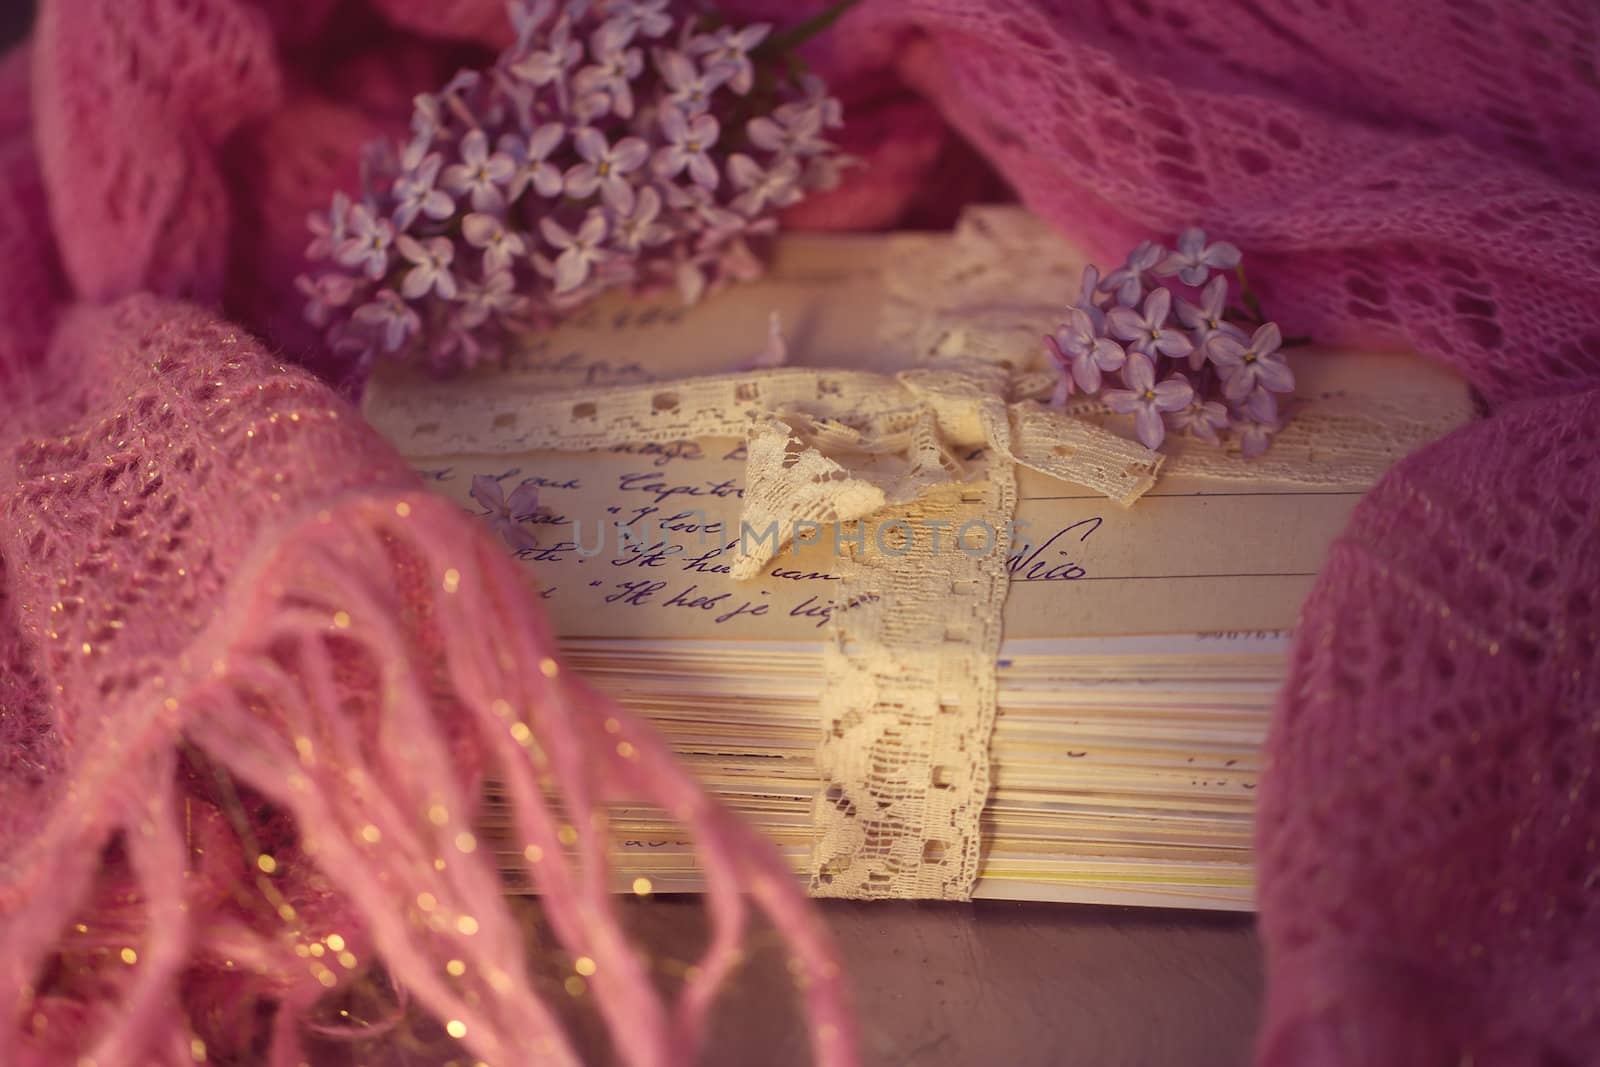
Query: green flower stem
pixel 1248 295
pixel 798 34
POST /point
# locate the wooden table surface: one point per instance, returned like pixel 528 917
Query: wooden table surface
pixel 935 985
pixel 1018 985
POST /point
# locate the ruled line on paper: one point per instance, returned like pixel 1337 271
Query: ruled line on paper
pixel 1245 493
pixel 1180 577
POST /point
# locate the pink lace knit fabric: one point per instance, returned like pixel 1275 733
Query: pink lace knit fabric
pixel 252 674
pixel 242 641
pixel 1430 828
pixel 1423 174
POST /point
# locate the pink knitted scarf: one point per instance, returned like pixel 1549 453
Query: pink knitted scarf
pixel 1416 174
pixel 254 674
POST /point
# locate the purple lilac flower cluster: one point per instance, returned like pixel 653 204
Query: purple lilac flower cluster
pixel 616 143
pixel 1201 373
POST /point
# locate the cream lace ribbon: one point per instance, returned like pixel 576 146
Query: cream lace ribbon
pixel 909 699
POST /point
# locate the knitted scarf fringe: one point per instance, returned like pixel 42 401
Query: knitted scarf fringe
pixel 386 819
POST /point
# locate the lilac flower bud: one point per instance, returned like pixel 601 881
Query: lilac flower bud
pixel 1146 401
pixel 614 68
pixel 527 17
pixel 414 194
pixel 1193 260
pixel 1244 366
pixel 604 165
pixel 329 230
pixel 325 295
pixel 1082 353
pixel 1202 418
pixel 643 18
pixel 1128 282
pixel 368 244
pixel 635 227
pixel 688 145
pixel 390 317
pixel 795 131
pixel 579 252
pixel 690 88
pixel 508 514
pixel 493 296
pixel 729 50
pixel 481 173
pixel 531 157
pixel 1147 331
pixel 551 63
pixel 1252 432
pixel 778 187
pixel 430 269
pixel 499 244
pixel 1205 321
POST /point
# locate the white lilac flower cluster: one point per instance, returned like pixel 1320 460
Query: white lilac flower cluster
pixel 616 143
pixel 1201 374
